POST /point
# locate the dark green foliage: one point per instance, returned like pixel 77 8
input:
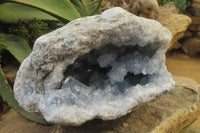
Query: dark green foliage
pixel 1 46
pixel 12 12
pixel 162 2
pixel 15 45
pixel 181 5
pixel 31 30
pixel 87 7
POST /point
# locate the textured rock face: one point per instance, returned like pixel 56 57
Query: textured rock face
pixel 191 46
pixel 95 67
pixel 144 8
pixel 176 23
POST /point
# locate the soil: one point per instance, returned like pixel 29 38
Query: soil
pixel 180 64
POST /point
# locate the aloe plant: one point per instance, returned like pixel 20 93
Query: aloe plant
pixel 62 10
pixel 17 46
pixel 13 12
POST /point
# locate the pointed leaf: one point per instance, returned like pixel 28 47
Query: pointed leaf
pixel 17 46
pixel 13 12
pixel 61 9
pixel 87 7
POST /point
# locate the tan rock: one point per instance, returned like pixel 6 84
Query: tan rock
pixel 196 1
pixel 191 46
pixel 177 24
pixel 195 20
pixel 168 113
pixel 176 45
pixel 194 11
pixel 194 28
pixel 198 34
pixel 145 8
pixel 196 4
pixel 187 34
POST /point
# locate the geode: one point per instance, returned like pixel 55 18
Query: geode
pixel 95 67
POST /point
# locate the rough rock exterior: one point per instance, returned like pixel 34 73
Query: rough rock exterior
pixel 191 46
pixel 176 23
pixel 144 8
pixel 95 67
pixel 190 43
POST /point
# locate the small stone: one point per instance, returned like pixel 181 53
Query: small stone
pixel 195 20
pixel 191 46
pixel 196 5
pixel 194 27
pixel 176 45
pixel 198 34
pixel 125 125
pixel 187 34
pixel 193 11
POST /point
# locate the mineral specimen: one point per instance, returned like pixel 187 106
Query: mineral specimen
pixel 95 67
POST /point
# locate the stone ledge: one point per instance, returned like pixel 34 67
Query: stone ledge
pixel 168 113
pixel 177 24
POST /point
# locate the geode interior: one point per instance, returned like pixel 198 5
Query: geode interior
pixel 95 67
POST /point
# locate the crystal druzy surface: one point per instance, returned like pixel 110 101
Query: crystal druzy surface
pixel 95 67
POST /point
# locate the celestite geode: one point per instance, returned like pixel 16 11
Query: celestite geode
pixel 95 67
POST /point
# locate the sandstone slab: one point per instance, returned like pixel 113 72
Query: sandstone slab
pixel 168 113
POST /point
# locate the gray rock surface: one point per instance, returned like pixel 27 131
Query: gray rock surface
pixel 95 67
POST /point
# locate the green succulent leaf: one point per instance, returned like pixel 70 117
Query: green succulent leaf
pixel 17 46
pixel 7 95
pixel 87 7
pixel 61 9
pixel 13 12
